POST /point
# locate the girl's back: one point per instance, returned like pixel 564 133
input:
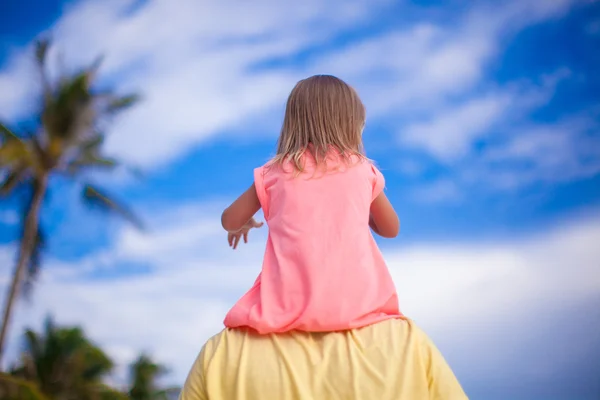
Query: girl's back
pixel 322 269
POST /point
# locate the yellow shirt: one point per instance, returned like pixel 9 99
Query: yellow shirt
pixel 390 360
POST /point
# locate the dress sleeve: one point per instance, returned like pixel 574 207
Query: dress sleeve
pixel 259 184
pixel 378 182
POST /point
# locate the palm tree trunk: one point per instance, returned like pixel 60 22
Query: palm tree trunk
pixel 27 242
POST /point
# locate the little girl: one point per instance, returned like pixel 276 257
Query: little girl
pixel 322 319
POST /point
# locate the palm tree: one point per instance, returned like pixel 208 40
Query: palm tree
pixel 68 141
pixel 64 364
pixel 144 374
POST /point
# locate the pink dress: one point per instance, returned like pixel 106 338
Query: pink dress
pixel 322 269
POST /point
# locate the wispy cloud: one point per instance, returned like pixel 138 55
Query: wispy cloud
pixel 449 133
pixel 442 190
pixel 546 153
pixel 199 75
pixel 195 71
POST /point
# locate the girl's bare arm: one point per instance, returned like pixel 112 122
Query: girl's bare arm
pixel 241 211
pixel 383 220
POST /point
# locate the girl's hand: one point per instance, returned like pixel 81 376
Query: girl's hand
pixel 234 237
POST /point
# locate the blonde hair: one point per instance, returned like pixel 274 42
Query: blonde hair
pixel 323 113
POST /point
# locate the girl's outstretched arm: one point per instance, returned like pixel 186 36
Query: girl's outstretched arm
pixel 384 220
pixel 241 211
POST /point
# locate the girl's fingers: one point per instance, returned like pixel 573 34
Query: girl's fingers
pixel 234 238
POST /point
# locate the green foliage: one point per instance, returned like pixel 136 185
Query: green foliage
pixel 63 364
pixel 12 388
pixel 69 138
pixel 96 197
pixel 144 375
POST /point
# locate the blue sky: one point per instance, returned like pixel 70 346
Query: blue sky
pixel 483 116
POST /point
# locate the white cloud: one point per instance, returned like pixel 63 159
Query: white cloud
pixel 557 152
pixel 412 68
pixel 442 190
pixel 197 71
pixel 17 91
pixel 558 266
pixel 527 154
pixel 425 66
pixel 450 134
pixel 194 278
pixel 488 140
pixel 7 257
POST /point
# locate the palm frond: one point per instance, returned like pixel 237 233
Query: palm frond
pixel 33 344
pixel 8 134
pixel 168 393
pixel 13 388
pixel 93 144
pixel 91 161
pixel 105 392
pixel 94 196
pixel 91 72
pixel 12 180
pixel 49 326
pixel 96 364
pixel 14 152
pixel 136 172
pixel 39 153
pixel 118 104
pixel 88 156
pixel 71 111
pixel 41 50
pixel 144 375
